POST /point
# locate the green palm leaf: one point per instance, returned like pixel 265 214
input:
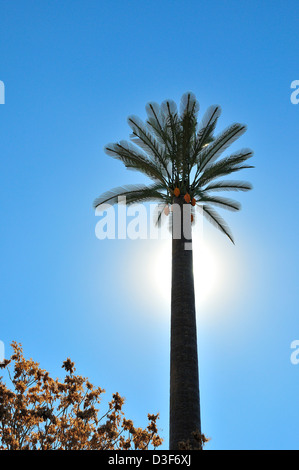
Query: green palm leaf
pixel 206 129
pixel 209 154
pixel 144 139
pixel 221 202
pixel 166 148
pixel 133 194
pixel 229 186
pixel 225 167
pixel 216 220
pixel 134 160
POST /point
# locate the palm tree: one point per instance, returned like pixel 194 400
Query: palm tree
pixel 181 157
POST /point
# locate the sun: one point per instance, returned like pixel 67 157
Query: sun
pixel 206 271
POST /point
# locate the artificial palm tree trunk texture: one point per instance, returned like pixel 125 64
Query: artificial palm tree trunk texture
pixel 184 381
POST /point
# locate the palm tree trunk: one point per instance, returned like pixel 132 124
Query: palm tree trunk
pixel 184 382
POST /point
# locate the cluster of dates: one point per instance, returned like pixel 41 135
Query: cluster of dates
pixel 187 198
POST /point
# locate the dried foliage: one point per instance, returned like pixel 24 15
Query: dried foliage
pixel 197 443
pixel 40 413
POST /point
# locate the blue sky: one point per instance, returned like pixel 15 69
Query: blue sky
pixel 73 71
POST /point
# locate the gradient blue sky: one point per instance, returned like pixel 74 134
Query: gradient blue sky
pixel 73 72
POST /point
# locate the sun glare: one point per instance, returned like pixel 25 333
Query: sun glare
pixel 206 271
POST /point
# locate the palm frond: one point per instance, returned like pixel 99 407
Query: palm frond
pixel 158 213
pixel 169 110
pixel 132 193
pixel 225 166
pixel 207 177
pixel 145 139
pixel 206 128
pixel 172 125
pixel 189 104
pixel 154 115
pixel 238 157
pixel 210 153
pixel 229 186
pixel 134 160
pixel 188 119
pixel 215 219
pixel 224 202
pixel 156 123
